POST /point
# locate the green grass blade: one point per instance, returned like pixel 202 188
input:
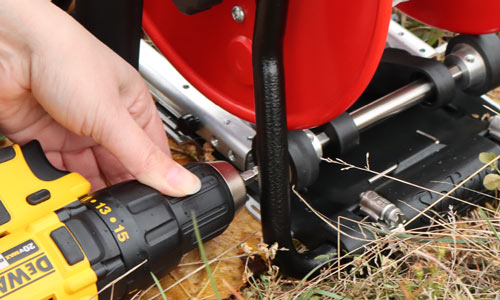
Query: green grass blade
pixel 483 214
pixel 330 295
pixel 204 257
pixel 158 285
pixel 257 287
pixel 435 37
pixel 307 295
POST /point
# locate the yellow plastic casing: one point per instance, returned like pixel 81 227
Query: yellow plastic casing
pixel 17 181
pixel 40 271
pixel 32 267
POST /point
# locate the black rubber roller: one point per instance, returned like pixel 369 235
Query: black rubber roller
pixel 343 134
pixel 304 159
pixel 488 47
pixel 398 67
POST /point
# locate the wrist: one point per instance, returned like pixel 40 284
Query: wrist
pixel 19 20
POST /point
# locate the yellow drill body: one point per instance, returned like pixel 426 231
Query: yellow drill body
pixel 58 242
pixel 31 264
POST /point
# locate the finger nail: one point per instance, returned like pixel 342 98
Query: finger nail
pixel 182 180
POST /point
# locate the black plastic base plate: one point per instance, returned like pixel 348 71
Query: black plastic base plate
pixel 420 159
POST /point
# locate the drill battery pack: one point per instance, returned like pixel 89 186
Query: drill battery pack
pixel 37 252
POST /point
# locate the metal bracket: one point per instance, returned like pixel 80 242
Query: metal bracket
pixel 228 134
pixel 401 38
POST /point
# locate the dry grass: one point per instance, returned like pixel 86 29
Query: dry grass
pixel 457 260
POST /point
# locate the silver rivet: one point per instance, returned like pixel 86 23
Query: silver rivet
pixel 238 14
pixel 227 122
pixel 470 58
pixel 214 142
pixel 250 137
pixel 401 33
pixel 422 50
pixel 230 155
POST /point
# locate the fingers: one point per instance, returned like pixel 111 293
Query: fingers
pixel 143 131
pixel 111 168
pixel 143 158
pixel 90 91
pixel 141 107
pixel 83 162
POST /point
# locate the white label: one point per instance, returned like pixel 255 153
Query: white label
pixel 3 262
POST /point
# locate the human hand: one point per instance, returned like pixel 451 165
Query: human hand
pixel 90 110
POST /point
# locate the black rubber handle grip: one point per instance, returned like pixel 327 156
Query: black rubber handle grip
pixel 38 162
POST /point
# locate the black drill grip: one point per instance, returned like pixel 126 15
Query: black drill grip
pixel 121 226
pixel 213 206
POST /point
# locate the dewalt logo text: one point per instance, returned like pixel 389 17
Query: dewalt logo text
pixel 25 273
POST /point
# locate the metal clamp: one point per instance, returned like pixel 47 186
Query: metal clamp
pixel 380 209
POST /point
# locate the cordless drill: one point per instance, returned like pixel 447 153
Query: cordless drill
pixel 57 241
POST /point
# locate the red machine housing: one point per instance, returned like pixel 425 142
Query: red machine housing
pixel 331 51
pixel 463 16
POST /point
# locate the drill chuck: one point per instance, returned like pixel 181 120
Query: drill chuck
pixel 234 181
pixel 104 235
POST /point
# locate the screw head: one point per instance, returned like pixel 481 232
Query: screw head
pixel 469 58
pixel 215 142
pixel 230 155
pixel 238 14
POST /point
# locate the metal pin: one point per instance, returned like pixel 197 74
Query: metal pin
pixel 428 136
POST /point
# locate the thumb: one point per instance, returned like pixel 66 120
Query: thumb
pixel 143 158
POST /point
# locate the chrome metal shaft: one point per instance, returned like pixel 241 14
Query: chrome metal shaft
pixel 397 101
pixel 391 104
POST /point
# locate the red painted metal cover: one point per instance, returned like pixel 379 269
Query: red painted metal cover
pixel 331 50
pixel 463 16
